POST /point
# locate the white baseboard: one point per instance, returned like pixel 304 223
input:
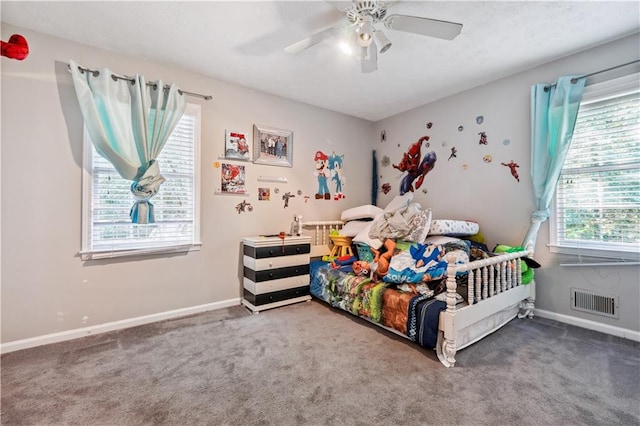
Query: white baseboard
pixel 111 326
pixel 591 325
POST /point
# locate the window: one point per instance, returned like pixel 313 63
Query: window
pixel 107 230
pixel 597 204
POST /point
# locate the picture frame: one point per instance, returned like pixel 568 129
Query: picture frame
pixel 272 146
pixel 232 178
pixel 237 146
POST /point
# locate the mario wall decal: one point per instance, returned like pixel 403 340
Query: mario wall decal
pixel 322 173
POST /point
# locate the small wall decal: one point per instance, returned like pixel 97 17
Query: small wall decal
pixel 453 153
pixel 306 199
pixel 385 161
pixel 276 190
pixel 506 142
pixel 383 136
pixel 385 188
pixel 479 119
pixel 483 139
pixel 429 125
pixel 216 164
pixel 286 197
pixel 299 192
pixel 487 158
pixel 514 169
pixel 244 206
pixel 465 166
pixel 460 128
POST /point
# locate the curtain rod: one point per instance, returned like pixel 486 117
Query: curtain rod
pixel 575 79
pixel 117 77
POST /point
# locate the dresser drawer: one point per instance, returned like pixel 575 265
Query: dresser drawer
pixel 276 296
pixel 275 285
pixel 275 251
pixel 275 262
pixel 274 274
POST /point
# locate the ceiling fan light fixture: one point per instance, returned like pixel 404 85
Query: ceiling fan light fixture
pixel 383 42
pixel 365 32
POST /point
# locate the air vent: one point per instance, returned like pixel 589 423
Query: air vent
pixel 587 301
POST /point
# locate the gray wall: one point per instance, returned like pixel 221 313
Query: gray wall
pixel 46 288
pixel 488 194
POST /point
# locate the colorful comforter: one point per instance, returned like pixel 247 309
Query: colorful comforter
pixel 408 308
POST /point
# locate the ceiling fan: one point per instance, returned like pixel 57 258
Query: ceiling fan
pixel 365 39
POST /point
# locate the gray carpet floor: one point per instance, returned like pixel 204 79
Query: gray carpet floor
pixel 308 364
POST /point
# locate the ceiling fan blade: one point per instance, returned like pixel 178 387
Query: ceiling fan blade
pixel 312 40
pixel 370 63
pixel 423 26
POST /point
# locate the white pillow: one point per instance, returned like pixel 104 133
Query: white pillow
pixel 454 228
pixel 361 212
pixel 353 227
pixel 363 237
pixel 441 239
pixel 420 224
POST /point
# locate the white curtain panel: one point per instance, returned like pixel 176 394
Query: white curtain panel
pixel 129 124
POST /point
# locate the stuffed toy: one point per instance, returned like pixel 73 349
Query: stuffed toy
pixel 527 264
pixel 15 48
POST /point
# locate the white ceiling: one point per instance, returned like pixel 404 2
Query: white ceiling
pixel 242 42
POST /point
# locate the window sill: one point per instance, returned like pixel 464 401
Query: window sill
pixel 109 254
pixel 597 253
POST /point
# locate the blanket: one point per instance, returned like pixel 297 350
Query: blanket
pixel 411 313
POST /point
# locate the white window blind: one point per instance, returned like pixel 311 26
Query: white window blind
pixel 108 230
pixel 598 194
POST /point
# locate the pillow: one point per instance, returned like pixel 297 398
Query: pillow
pixel 353 227
pixel 361 212
pixel 453 228
pixel 440 239
pixel 419 226
pixel 399 202
pixel 363 237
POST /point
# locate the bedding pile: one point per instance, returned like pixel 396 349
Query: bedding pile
pixel 403 287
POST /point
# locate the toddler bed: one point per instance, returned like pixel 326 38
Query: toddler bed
pixel 447 304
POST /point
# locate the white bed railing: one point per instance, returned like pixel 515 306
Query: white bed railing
pixel 486 277
pixel 319 231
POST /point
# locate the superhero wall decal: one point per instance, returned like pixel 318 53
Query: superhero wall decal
pixel 415 168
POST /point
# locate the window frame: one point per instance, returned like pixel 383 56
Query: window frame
pixel 602 90
pixel 87 253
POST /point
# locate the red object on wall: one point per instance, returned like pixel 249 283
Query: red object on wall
pixel 15 48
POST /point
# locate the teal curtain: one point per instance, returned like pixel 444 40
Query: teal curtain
pixel 553 118
pixel 129 124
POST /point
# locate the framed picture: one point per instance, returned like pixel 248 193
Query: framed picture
pixel 272 146
pixel 232 178
pixel 236 146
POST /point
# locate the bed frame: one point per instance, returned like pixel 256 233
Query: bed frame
pixel 495 294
